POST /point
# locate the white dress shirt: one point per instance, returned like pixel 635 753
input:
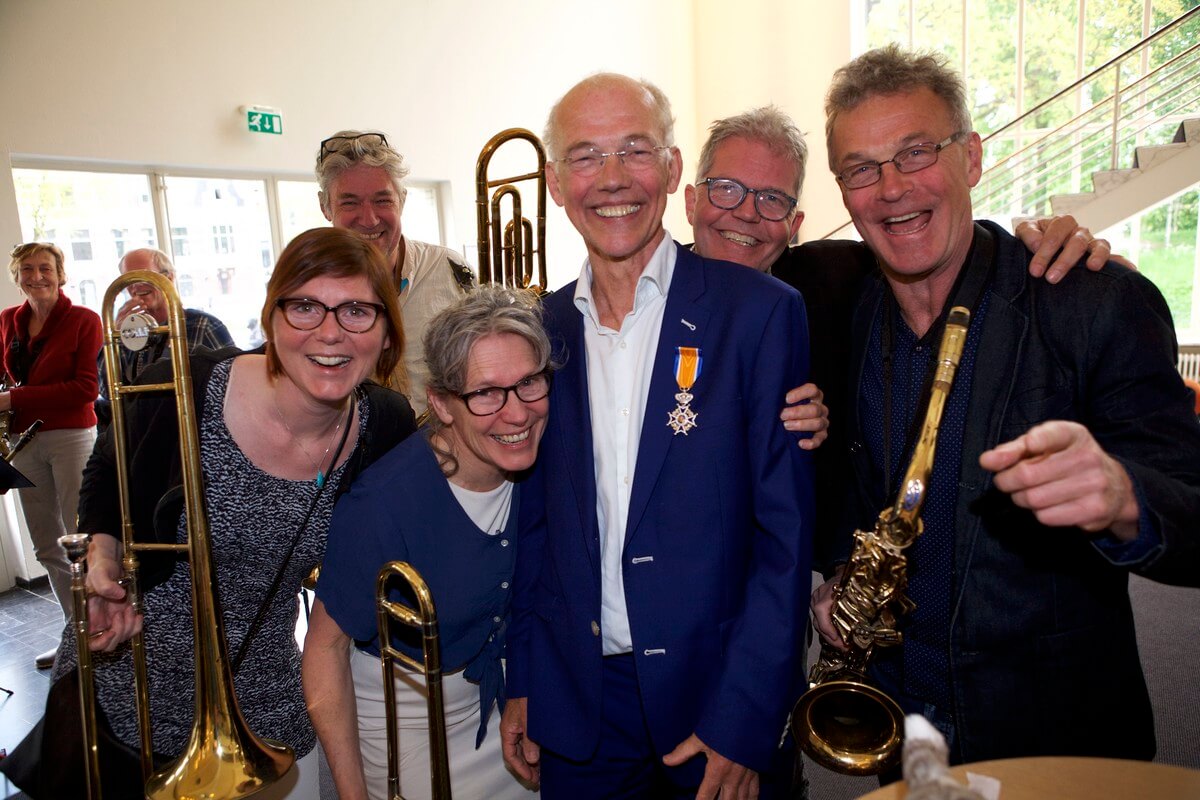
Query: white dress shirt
pixel 619 367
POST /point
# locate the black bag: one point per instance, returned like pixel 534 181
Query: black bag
pixel 49 764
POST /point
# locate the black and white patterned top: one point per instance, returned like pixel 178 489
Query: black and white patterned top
pixel 253 521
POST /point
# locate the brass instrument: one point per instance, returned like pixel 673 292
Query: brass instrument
pixel 506 256
pixel 223 759
pixel 424 619
pixel 842 722
pixel 8 447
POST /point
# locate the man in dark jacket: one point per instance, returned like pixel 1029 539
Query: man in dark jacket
pixel 1066 456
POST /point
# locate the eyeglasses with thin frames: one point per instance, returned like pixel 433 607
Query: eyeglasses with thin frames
pixel 305 314
pixel 335 144
pixel 771 204
pixel 638 155
pixel 913 158
pixel 490 399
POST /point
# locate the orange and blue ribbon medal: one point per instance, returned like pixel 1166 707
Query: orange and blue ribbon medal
pixel 687 370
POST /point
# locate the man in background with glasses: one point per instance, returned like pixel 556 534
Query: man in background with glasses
pixel 1068 453
pixel 666 529
pixel 362 190
pixel 202 328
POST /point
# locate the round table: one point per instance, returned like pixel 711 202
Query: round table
pixel 1061 778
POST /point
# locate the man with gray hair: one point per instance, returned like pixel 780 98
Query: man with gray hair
pixel 1068 453
pixel 656 636
pixel 203 329
pixel 362 190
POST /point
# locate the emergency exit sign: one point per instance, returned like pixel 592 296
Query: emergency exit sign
pixel 264 122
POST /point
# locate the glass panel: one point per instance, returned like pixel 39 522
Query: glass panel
pixel 420 219
pixel 94 217
pixel 1163 242
pixel 991 79
pixel 1109 28
pixel 1050 27
pixel 886 21
pixel 938 25
pixel 225 224
pixel 299 209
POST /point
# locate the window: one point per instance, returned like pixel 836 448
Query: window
pixel 180 246
pixel 81 244
pixel 223 239
pixel 119 237
pixel 1164 242
pixel 1057 41
pixel 218 230
pixel 50 201
pixel 88 294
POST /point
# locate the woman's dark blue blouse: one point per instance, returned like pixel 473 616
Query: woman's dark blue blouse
pixel 402 509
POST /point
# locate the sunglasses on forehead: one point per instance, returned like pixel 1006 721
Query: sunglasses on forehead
pixel 335 144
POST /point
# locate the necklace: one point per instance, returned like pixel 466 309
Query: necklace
pixel 320 480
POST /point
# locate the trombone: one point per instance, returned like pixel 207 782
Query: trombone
pixel 506 256
pixel 424 619
pixel 223 759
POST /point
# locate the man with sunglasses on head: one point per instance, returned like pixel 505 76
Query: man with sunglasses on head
pixel 362 190
pixel 1068 453
pixel 202 328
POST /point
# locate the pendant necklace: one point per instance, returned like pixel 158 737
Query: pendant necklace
pixel 320 480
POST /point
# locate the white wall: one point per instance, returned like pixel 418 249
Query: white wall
pixel 782 52
pixel 159 82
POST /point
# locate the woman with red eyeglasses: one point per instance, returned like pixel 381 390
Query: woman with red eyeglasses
pixel 49 353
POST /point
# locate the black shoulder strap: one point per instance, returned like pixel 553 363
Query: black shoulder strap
pixel 462 275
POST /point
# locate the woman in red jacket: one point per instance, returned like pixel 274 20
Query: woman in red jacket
pixel 49 356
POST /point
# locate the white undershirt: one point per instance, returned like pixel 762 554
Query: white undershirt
pixel 619 367
pixel 488 510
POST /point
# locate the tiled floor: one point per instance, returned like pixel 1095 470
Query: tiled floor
pixel 30 624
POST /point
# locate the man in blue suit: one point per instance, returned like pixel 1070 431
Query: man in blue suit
pixel 664 554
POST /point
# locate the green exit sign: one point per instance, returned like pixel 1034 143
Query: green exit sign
pixel 264 122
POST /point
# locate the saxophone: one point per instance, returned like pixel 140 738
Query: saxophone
pixel 843 722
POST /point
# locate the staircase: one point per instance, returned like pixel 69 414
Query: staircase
pixel 1158 171
pixel 1072 153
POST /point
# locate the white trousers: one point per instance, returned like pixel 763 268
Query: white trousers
pixel 54 461
pixel 473 773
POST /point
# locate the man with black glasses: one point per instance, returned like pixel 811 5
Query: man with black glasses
pixel 1068 454
pixel 362 189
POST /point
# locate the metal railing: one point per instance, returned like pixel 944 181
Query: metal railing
pixel 1138 98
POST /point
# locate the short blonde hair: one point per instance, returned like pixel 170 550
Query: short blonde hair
pixel 24 251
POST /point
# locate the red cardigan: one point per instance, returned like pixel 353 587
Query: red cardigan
pixel 62 383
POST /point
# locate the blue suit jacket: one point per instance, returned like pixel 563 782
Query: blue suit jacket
pixel 718 539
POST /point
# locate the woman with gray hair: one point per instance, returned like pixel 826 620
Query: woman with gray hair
pixel 446 502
